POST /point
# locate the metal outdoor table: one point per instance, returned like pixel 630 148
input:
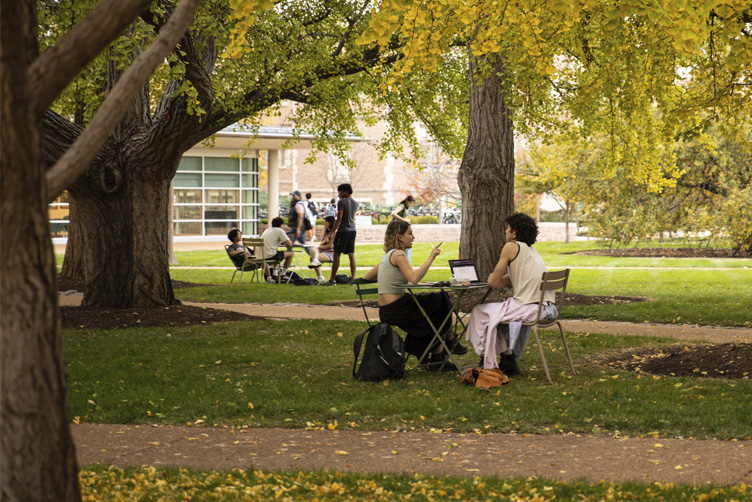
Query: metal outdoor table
pixel 413 289
pixel 297 251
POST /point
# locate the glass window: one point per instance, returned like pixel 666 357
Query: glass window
pixel 221 164
pixel 222 180
pixel 220 212
pixel 249 228
pixel 250 196
pixel 59 228
pixel 220 227
pixel 58 212
pixel 192 228
pixel 250 212
pixel 222 196
pixel 187 180
pixel 186 196
pixel 187 212
pixel 249 180
pixel 190 164
pixel 250 165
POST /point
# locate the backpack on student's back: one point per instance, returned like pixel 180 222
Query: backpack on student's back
pixel 292 218
pixel 313 209
pixel 383 355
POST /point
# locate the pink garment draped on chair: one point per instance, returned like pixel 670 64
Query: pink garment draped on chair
pixel 483 329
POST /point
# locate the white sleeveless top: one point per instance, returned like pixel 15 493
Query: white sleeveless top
pixel 526 271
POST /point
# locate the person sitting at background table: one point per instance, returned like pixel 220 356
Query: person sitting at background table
pixel 273 238
pixel 237 251
pixel 399 309
pixel 326 246
pixel 521 267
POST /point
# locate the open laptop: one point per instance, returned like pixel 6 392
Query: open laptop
pixel 464 271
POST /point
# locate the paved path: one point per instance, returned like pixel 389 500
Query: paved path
pixel 679 331
pixel 563 457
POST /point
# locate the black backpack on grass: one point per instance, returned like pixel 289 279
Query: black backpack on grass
pixel 383 355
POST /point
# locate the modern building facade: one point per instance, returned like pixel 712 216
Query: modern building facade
pixel 217 187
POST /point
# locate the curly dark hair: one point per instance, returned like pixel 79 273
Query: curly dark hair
pixel 525 226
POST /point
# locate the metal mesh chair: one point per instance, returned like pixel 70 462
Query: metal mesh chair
pixel 551 281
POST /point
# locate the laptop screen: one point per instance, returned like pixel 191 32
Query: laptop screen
pixel 463 270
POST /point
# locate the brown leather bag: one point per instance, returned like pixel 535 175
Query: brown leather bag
pixel 484 378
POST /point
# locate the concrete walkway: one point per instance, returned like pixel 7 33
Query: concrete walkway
pixel 562 457
pixel 687 332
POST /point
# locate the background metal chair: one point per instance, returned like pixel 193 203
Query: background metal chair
pixel 250 264
pixel 238 268
pixel 551 281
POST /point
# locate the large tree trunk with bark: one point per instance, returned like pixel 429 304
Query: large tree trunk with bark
pixel 124 226
pixel 120 245
pixel 37 456
pixel 486 174
pixel 119 227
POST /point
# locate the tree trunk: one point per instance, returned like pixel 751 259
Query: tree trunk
pixel 566 221
pixel 124 222
pixel 37 455
pixel 486 174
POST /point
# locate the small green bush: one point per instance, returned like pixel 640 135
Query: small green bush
pixel 424 220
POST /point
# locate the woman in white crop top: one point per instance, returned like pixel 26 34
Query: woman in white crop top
pixel 399 309
pixel 521 267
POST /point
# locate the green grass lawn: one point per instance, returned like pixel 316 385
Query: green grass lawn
pixel 298 374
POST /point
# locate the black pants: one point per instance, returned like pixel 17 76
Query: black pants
pixel 406 315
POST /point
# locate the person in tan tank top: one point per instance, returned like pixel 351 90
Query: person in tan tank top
pixel 521 267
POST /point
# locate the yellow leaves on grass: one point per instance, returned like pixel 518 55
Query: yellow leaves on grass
pixel 102 484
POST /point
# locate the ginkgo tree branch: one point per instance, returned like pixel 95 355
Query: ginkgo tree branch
pixel 80 154
pixel 58 65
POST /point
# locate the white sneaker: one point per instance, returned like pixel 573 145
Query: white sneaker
pixel 314 263
pixel 270 280
pixel 322 280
